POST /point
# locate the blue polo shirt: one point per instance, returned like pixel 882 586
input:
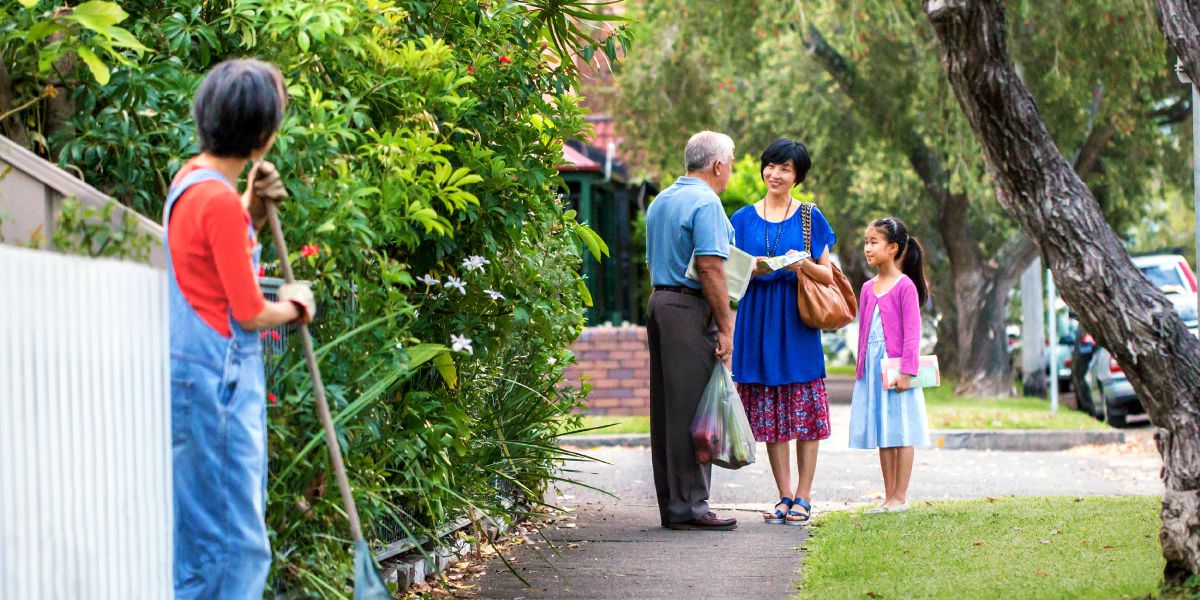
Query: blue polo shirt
pixel 685 217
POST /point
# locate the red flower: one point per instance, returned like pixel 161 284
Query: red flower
pixel 262 271
pixel 310 250
pixel 506 60
pixel 271 399
pixel 270 334
pixel 470 69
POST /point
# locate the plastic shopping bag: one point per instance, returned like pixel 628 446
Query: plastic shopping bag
pixel 720 429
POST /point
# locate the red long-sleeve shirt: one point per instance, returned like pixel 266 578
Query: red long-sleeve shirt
pixel 213 252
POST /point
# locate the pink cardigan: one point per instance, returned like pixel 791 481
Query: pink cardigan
pixel 900 311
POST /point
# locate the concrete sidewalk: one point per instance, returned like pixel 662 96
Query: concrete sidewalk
pixel 619 551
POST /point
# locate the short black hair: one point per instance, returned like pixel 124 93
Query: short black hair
pixel 782 150
pixel 238 106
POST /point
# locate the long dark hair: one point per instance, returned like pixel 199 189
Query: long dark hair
pixel 911 255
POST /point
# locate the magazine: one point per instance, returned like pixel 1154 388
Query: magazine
pixel 738 269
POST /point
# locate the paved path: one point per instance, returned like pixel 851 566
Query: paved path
pixel 620 552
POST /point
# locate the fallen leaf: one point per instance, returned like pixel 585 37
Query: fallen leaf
pixel 871 594
pixel 978 542
pixel 1110 547
pixel 1045 541
pixel 991 499
pixel 1040 573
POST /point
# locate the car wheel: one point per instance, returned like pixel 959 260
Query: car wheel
pixel 1096 398
pixel 1083 397
pixel 1113 417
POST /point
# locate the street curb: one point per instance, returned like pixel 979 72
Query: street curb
pixel 1012 440
pixel 1024 440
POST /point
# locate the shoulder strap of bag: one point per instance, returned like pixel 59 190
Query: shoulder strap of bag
pixel 806 217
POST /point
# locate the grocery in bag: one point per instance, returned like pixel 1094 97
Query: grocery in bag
pixel 720 429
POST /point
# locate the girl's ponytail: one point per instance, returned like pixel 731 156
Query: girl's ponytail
pixel 911 254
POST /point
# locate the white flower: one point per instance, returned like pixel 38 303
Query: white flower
pixel 399 346
pixel 460 343
pixel 428 279
pixel 494 294
pixel 551 360
pixel 475 263
pixel 456 283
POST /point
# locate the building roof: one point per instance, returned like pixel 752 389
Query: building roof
pixel 574 160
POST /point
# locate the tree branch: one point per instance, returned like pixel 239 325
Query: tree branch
pixel 926 163
pixel 1181 25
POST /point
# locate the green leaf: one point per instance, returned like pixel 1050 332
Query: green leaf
pixel 303 41
pixel 585 295
pixel 98 15
pixel 445 365
pixel 423 353
pixel 98 68
pixel 43 30
pixel 29 3
pixel 592 240
pixel 121 37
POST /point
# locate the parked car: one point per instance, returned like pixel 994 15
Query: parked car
pixel 1066 341
pixel 1170 272
pixel 1101 387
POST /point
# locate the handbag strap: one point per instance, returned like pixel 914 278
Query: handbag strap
pixel 806 218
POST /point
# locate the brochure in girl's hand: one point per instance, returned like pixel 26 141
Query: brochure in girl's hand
pixel 928 374
pixel 738 269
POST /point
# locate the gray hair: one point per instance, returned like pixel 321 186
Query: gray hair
pixel 705 148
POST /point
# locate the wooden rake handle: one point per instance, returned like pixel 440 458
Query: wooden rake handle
pixel 331 443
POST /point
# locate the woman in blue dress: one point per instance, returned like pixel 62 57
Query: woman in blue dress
pixel 778 362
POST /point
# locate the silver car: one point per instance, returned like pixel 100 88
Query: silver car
pixel 1101 387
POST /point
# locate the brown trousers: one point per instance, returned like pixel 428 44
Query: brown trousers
pixel 683 343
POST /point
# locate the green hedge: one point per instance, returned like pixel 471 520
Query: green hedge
pixel 419 134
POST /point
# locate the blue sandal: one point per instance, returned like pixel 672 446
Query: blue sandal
pixel 777 517
pixel 799 518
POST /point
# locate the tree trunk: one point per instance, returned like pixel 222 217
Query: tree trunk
pixel 1123 311
pixel 11 127
pixel 978 354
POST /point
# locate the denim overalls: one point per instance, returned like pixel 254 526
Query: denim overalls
pixel 218 431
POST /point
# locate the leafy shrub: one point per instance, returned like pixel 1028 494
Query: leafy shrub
pixel 420 149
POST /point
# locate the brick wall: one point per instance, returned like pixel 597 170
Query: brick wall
pixel 616 362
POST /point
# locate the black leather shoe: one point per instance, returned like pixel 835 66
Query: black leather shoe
pixel 709 522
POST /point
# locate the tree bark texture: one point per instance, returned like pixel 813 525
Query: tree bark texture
pixel 11 127
pixel 1123 311
pixel 981 285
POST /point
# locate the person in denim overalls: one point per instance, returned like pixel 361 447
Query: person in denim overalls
pixel 218 408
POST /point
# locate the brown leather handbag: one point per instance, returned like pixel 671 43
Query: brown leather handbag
pixel 823 306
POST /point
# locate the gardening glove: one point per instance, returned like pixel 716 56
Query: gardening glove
pixel 263 185
pixel 300 293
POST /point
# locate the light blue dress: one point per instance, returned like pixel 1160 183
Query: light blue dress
pixel 882 418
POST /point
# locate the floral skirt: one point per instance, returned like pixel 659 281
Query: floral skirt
pixel 781 413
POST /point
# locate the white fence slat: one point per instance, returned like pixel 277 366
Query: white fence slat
pixel 85 454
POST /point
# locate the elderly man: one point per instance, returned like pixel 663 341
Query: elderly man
pixel 689 324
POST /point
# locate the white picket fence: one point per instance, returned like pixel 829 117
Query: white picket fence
pixel 85 444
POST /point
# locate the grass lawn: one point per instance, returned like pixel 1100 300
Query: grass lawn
pixel 842 370
pixel 947 411
pixel 615 424
pixel 1059 547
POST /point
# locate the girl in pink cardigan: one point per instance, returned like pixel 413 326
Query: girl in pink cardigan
pixel 889 326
